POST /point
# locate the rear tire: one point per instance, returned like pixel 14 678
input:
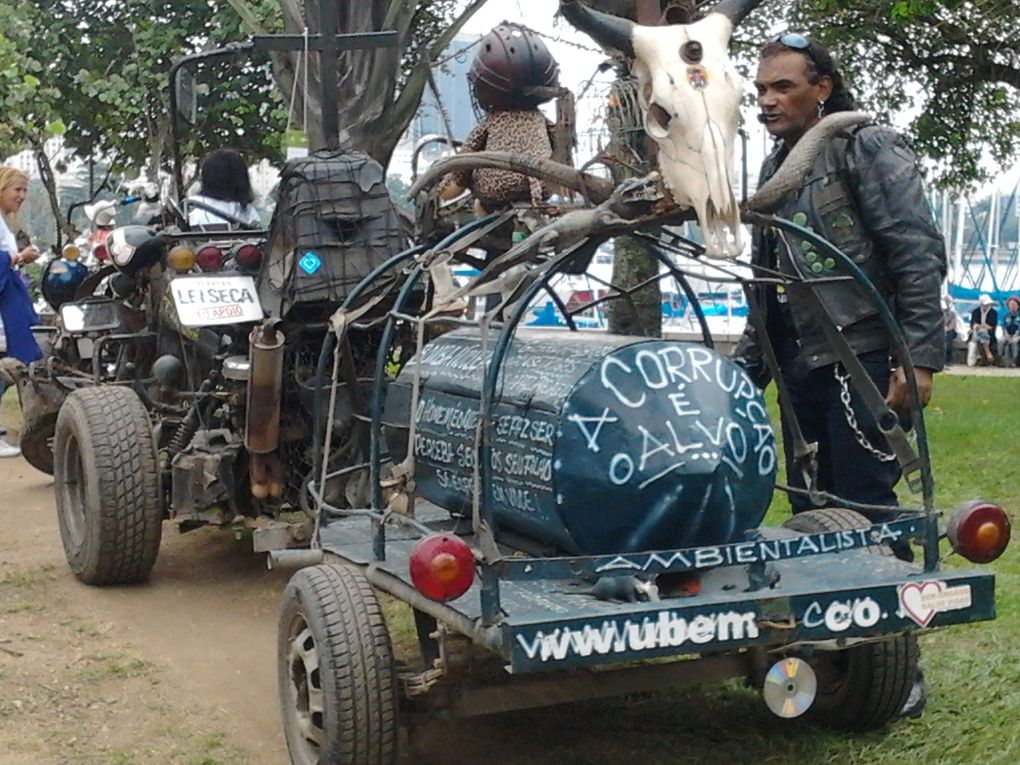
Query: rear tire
pixel 40 402
pixel 335 669
pixel 106 476
pixel 863 687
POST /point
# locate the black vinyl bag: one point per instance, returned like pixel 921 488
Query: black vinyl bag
pixel 333 224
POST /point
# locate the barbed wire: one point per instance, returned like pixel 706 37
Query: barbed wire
pixel 456 53
pixel 563 41
pixel 544 35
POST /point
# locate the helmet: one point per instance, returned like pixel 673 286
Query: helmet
pixel 61 280
pixel 134 248
pixel 102 214
pixel 513 70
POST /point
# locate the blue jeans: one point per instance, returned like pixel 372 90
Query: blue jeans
pixel 950 343
pixel 845 468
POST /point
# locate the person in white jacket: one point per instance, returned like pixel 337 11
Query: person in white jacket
pixel 226 188
pixel 16 310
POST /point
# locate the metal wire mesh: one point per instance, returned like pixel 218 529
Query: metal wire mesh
pixel 624 115
pixel 334 222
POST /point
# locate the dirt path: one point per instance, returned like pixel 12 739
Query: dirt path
pixel 181 671
pixel 178 671
pixel 203 631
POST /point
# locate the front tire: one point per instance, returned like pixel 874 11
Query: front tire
pixel 335 670
pixel 106 477
pixel 863 687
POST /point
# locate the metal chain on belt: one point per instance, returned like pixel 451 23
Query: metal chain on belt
pixel 851 419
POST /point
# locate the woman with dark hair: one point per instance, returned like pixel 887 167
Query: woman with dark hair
pixel 823 92
pixel 864 193
pixel 1011 332
pixel 226 188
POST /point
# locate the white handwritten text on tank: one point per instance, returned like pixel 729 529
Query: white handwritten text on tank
pixel 666 630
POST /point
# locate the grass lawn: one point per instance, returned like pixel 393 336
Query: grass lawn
pixel 10 414
pixel 973 671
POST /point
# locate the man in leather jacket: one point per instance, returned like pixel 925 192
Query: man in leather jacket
pixel 864 194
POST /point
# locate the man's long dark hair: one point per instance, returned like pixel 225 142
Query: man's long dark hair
pixel 820 64
pixel 225 176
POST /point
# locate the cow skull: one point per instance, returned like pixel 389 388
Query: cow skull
pixel 690 93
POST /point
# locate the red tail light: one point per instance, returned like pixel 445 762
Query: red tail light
pixel 210 258
pixel 101 252
pixel 248 256
pixel 979 531
pixel 442 567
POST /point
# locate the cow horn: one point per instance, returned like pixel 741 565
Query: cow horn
pixel 609 31
pixel 735 10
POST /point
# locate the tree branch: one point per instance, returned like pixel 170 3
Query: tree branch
pixel 248 16
pixel 595 189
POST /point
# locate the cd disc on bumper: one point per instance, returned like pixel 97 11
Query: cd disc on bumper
pixel 790 687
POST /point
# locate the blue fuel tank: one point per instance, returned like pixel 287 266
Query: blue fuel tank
pixel 600 443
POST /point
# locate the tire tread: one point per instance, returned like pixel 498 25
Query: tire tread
pixel 355 646
pixel 116 445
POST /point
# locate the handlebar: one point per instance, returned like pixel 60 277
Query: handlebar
pixel 225 216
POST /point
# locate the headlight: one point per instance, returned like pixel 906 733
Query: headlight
pixel 89 316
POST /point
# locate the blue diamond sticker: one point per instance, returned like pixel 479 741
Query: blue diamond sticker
pixel 310 263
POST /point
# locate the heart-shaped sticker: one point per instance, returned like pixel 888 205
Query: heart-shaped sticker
pixel 912 600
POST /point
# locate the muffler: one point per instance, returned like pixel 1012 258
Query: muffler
pixel 262 420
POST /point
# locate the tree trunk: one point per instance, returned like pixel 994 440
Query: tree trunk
pixel 633 262
pixel 157 148
pixel 373 114
pixel 64 227
pixel 642 315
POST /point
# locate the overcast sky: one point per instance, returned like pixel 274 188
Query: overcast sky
pixel 577 66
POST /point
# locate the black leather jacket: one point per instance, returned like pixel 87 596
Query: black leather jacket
pixel 865 195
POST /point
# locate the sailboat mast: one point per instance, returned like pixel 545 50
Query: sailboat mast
pixel 961 219
pixel 993 228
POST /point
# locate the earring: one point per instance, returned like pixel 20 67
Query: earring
pixel 821 109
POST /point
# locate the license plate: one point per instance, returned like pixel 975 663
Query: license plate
pixel 204 301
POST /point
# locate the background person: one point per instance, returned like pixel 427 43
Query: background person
pixel 981 343
pixel 1011 332
pixel 225 186
pixel 16 309
pixel 949 321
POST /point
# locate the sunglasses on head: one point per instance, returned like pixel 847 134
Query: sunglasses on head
pixel 793 40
